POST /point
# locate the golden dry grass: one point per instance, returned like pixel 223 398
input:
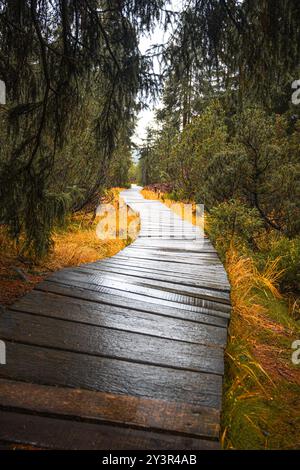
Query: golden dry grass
pixel 258 361
pixel 80 243
pixel 76 243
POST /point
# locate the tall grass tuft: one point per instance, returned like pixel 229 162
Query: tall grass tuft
pixel 252 391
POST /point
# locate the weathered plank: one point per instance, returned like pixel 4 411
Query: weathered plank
pixel 107 279
pixel 135 301
pixel 159 415
pixel 98 341
pixel 208 264
pixel 123 353
pixel 50 366
pixel 49 433
pixel 171 268
pixel 156 296
pixel 91 313
pixel 158 274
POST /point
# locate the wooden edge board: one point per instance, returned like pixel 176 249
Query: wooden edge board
pixel 93 406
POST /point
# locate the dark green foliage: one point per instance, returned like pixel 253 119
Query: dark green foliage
pixel 149 160
pixel 223 178
pixel 120 164
pixel 233 223
pixel 257 163
pixel 72 70
pixel 249 48
pixel 271 177
pixel 258 168
pixel 288 253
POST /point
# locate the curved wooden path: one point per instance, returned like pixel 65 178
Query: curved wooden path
pixel 124 353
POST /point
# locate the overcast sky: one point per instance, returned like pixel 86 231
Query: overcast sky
pixel 146 116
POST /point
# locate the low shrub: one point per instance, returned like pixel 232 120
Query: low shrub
pixel 233 223
pixel 288 252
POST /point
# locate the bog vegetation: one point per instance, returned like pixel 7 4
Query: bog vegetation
pixel 227 135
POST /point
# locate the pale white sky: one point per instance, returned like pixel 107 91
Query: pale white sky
pixel 146 116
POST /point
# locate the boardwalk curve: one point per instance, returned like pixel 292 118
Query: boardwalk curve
pixel 123 353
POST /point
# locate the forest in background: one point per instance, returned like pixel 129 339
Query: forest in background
pixel 228 133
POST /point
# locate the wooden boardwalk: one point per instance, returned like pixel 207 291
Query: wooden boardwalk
pixel 124 353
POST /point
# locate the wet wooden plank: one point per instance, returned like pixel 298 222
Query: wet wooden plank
pixel 166 246
pixel 101 407
pixel 171 268
pixel 105 278
pixel 171 255
pixel 150 276
pixel 169 252
pixel 54 367
pixel 143 294
pixel 157 274
pixel 197 315
pixel 208 265
pixel 108 316
pixel 51 433
pixel 103 342
pixel 205 272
